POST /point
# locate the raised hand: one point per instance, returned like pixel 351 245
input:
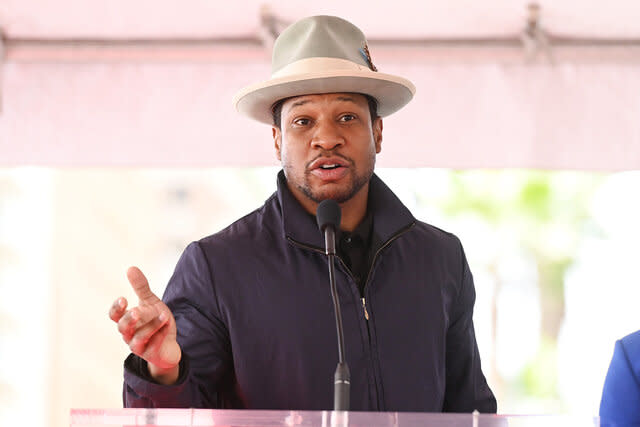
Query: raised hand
pixel 149 329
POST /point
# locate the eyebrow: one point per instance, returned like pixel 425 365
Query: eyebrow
pixel 299 103
pixel 306 101
pixel 346 99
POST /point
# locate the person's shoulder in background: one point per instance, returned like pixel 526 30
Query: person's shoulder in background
pixel 620 404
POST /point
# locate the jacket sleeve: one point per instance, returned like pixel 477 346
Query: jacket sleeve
pixel 621 393
pixel 466 387
pixel 206 373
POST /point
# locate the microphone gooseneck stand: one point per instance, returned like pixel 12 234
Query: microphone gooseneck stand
pixel 328 216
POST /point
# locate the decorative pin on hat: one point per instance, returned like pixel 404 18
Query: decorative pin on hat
pixel 322 54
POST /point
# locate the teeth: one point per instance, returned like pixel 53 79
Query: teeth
pixel 329 166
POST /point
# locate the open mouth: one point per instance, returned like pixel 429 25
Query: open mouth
pixel 330 166
pixel 329 169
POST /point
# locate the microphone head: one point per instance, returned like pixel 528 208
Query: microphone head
pixel 328 214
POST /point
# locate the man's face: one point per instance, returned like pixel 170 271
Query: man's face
pixel 327 146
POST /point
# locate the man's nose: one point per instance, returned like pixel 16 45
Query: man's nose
pixel 327 135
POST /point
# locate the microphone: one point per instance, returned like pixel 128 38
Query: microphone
pixel 328 217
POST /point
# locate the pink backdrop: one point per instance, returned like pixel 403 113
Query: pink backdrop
pixel 476 106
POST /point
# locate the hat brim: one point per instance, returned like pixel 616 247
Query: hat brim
pixel 391 92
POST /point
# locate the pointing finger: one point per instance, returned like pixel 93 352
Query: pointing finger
pixel 140 285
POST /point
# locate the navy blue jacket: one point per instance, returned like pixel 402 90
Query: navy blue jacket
pixel 256 325
pixel 620 404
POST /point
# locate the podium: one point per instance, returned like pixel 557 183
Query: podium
pixel 251 418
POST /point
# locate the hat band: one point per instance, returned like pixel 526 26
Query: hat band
pixel 311 65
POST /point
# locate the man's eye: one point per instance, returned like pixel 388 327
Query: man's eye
pixel 347 117
pixel 301 122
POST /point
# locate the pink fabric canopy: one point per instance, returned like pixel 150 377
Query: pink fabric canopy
pixel 483 99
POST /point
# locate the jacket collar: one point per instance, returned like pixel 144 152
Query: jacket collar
pixel 389 214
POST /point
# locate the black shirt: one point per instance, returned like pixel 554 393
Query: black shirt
pixel 356 250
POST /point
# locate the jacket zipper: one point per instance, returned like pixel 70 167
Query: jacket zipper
pixel 304 245
pixel 364 307
pixel 387 243
pixel 366 313
pixel 320 250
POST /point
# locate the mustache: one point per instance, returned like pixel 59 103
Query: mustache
pixel 326 153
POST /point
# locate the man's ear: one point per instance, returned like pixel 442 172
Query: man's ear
pixel 277 141
pixel 377 133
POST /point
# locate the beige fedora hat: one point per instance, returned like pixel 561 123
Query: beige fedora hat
pixel 322 54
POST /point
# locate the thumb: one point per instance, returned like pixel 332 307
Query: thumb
pixel 140 285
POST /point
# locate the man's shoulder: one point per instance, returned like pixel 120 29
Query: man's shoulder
pixel 435 235
pixel 631 345
pixel 259 225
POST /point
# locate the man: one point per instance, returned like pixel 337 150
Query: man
pixel 246 320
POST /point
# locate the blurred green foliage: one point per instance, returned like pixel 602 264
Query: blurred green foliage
pixel 547 215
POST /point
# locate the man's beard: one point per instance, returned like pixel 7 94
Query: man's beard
pixel 340 195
